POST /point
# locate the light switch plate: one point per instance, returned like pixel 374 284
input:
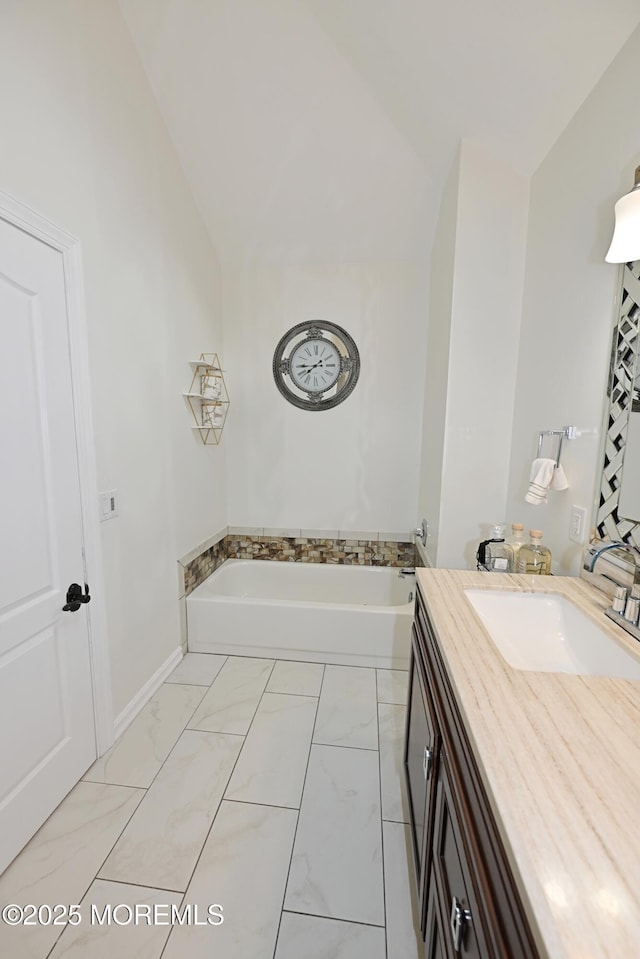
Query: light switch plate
pixel 108 504
pixel 578 524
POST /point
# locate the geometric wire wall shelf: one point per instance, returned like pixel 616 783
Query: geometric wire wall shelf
pixel 208 398
pixel 622 390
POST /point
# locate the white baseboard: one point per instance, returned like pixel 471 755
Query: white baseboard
pixel 142 697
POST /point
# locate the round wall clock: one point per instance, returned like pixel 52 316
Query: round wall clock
pixel 316 365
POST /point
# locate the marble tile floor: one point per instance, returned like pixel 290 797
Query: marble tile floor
pixel 266 792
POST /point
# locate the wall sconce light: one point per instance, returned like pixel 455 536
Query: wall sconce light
pixel 625 245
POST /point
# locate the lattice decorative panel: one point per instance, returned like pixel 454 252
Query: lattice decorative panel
pixel 623 391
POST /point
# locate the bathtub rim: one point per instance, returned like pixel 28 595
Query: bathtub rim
pixel 371 655
pixel 226 598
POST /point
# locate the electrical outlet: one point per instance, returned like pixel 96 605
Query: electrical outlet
pixel 108 504
pixel 578 524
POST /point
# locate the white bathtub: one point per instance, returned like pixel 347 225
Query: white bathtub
pixel 315 612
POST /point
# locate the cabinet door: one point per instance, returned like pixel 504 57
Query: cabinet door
pixel 435 946
pixel 465 870
pixel 421 752
pixel 453 875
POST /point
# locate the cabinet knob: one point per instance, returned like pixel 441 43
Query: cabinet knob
pixel 427 761
pixel 459 918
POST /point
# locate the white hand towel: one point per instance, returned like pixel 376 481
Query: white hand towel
pixel 558 480
pixel 540 481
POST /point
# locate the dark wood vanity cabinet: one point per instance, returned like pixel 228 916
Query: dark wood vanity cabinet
pixel 422 748
pixel 469 905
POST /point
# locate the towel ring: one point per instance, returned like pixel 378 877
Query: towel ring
pixel 569 433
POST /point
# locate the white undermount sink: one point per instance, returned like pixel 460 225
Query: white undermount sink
pixel 545 632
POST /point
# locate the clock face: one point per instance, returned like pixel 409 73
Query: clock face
pixel 316 365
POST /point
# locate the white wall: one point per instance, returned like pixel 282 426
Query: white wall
pixel 83 143
pixel 568 298
pixel 356 466
pixel 434 412
pixel 291 157
pixel 477 310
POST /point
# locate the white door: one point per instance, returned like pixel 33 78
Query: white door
pixel 47 736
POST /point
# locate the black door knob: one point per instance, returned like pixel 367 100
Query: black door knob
pixel 75 598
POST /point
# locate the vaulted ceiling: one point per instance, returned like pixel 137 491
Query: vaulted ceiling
pixel 324 129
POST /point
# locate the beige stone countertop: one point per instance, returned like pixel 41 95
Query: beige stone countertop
pixel 560 758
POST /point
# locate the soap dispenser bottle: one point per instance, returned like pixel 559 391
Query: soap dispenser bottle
pixel 498 554
pixel 516 541
pixel 533 557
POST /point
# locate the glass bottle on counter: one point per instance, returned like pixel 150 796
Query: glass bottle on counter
pixel 516 541
pixel 498 555
pixel 533 557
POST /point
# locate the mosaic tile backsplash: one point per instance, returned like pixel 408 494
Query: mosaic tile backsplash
pixel 346 552
pixel 203 565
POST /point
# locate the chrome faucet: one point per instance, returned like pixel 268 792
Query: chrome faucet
pixel 596 552
pixel 625 606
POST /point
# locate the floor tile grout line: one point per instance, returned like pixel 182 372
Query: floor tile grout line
pixel 246 802
pixel 359 749
pixel 257 709
pixel 166 942
pixel 119 739
pixel 393 702
pixel 365 749
pixel 184 682
pixel 91 881
pixel 353 746
pixel 198 858
pixel 286 882
pixel 211 684
pixel 317 915
pixel 273 663
pixel 185 730
pixel 300 663
pixel 222 798
pixel 217 809
pixel 63 929
pixel 255 712
pixel 184 895
pixel 101 782
pixel 139 885
pixel 267 805
pixel 295 833
pixel 384 885
pixel 275 692
pixel 143 789
pixel 313 731
pixel 226 786
pixel 101 866
pixel 213 820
